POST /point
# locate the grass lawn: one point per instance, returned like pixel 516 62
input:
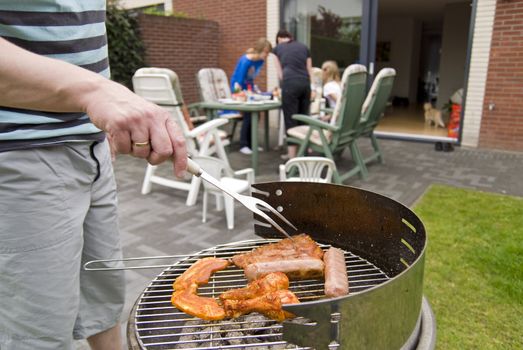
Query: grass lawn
pixel 474 267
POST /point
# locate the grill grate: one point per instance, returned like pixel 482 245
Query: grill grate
pixel 159 325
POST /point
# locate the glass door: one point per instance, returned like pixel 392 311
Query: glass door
pixel 332 29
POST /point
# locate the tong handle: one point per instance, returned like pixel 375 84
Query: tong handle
pixel 193 167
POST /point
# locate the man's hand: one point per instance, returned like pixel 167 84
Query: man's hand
pixel 132 124
pixel 135 126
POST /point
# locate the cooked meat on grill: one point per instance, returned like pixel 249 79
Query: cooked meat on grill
pixel 300 246
pixel 200 272
pixel 336 279
pixel 189 302
pixel 269 305
pixel 269 283
pixel 294 268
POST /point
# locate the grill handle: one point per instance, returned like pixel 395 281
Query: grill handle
pixel 101 265
pixel 223 252
pixel 323 330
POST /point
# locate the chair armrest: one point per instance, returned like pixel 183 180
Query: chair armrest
pixel 327 110
pixel 248 172
pixel 205 127
pixel 200 118
pixel 315 122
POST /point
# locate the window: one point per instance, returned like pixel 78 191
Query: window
pixel 330 28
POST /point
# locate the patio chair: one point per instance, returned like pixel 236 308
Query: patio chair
pixel 310 169
pixel 333 137
pixel 161 86
pixel 373 109
pixel 221 171
pixel 214 86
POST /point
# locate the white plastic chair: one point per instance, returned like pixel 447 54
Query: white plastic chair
pixel 310 169
pixel 161 86
pixel 214 86
pixel 221 171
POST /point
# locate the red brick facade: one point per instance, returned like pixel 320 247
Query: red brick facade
pixel 241 23
pixel 502 128
pixel 183 45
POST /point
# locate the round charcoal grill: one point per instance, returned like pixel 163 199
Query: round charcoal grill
pixel 384 245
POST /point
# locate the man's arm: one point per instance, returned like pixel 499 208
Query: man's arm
pixel 36 82
pixel 279 71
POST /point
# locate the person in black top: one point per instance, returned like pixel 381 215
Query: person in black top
pixel 294 66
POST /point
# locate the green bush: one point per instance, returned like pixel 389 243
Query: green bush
pixel 158 12
pixel 126 49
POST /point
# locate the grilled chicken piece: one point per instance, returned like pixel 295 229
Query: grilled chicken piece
pixel 189 302
pixel 301 246
pixel 269 305
pixel 269 283
pixel 199 272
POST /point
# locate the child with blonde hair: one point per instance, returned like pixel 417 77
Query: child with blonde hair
pixel 331 80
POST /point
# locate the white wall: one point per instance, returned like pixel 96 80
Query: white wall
pixel 403 34
pixel 273 25
pixel 479 60
pixel 131 4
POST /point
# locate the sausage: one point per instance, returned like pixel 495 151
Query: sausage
pixel 336 278
pixel 295 269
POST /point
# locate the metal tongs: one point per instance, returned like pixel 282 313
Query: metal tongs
pixel 250 203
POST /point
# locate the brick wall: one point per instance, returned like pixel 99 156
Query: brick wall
pixel 181 44
pixel 502 128
pixel 241 23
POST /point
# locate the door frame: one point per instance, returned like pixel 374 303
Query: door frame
pixel 368 57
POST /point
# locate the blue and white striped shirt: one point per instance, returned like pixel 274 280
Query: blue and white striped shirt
pixel 69 30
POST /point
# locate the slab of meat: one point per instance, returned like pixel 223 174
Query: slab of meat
pixel 269 305
pixel 265 295
pixel 300 246
pixel 336 278
pixel 191 303
pixel 294 268
pixel 269 283
pixel 185 296
pixel 200 272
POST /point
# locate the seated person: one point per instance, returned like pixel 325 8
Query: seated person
pixel 331 87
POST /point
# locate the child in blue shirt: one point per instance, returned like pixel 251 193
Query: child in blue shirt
pixel 247 68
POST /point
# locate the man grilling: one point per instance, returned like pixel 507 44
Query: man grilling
pixel 57 188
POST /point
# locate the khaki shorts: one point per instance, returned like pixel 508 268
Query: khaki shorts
pixel 57 211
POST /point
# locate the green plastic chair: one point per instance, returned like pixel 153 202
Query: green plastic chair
pixel 333 137
pixel 373 109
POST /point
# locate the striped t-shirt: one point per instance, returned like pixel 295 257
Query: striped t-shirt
pixel 68 30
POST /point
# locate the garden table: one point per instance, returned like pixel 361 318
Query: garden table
pixel 255 108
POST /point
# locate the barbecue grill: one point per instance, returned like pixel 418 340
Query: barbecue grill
pixel 384 244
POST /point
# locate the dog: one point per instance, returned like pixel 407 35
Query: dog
pixel 433 115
